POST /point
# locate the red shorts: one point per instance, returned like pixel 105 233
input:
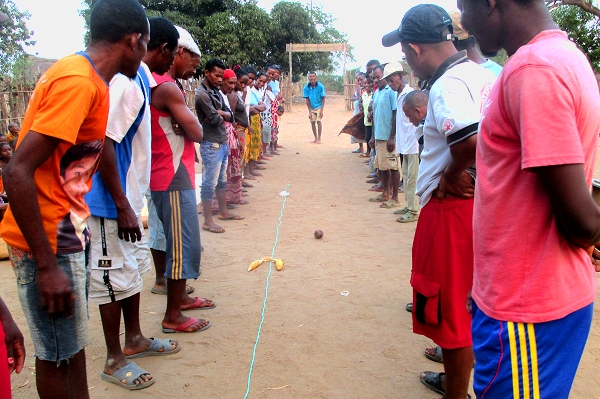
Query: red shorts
pixel 442 272
pixel 5 390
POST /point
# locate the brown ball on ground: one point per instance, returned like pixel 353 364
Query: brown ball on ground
pixel 318 234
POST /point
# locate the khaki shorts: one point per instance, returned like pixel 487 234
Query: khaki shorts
pixel 385 160
pixel 314 115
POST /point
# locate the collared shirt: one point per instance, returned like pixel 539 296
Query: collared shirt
pixel 208 102
pixel 315 95
pixel 384 104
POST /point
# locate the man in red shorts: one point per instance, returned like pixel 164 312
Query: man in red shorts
pixel 442 271
pixel 534 285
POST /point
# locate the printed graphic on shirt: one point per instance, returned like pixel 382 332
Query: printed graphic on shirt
pixel 77 166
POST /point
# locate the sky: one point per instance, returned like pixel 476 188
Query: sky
pixel 58 28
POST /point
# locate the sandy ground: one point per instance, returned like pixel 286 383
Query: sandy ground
pixel 315 343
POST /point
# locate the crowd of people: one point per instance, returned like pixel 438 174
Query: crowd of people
pixel 500 191
pixel 133 144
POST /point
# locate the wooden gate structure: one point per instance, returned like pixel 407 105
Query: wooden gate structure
pixel 310 47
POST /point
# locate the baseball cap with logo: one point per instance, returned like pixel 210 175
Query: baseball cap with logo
pixel 459 31
pixel 187 42
pixel 424 23
pixel 392 68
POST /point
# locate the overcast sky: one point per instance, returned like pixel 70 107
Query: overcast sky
pixel 58 29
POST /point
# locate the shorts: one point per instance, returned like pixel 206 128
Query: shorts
pixel 385 160
pixel 442 272
pixel 156 233
pixel 214 168
pixel 528 360
pixel 178 213
pixel 266 134
pixel 54 338
pixel 314 115
pixel 130 261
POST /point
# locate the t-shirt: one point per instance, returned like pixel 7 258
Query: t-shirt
pixel 70 102
pixel 453 112
pixel 384 103
pixel 492 66
pixel 173 156
pixel 543 111
pixel 129 127
pixel 366 100
pixel 274 85
pixel 406 138
pixel 315 95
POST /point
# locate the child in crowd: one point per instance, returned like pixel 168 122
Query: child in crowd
pixel 415 108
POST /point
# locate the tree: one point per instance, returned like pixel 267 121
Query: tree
pixel 583 29
pixel 585 5
pixel 13 35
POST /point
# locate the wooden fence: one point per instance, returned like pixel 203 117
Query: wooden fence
pixel 14 97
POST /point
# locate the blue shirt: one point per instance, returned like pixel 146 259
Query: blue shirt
pixel 384 103
pixel 274 85
pixel 315 95
pixel 492 66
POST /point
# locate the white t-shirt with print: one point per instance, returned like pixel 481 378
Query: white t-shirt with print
pixel 456 100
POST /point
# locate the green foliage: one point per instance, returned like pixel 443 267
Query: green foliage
pixel 583 29
pixel 13 36
pixel 238 31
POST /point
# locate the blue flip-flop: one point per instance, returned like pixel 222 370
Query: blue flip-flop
pixel 155 349
pixel 129 373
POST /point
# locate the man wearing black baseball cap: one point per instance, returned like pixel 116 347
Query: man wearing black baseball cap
pixel 457 89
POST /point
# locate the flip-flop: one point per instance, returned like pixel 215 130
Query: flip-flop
pixel 214 229
pixel 198 304
pixel 181 328
pixel 409 307
pixel 438 354
pixel 363 155
pixel 261 163
pixel 250 177
pixel 129 373
pixel 390 204
pixel 357 152
pixel 155 349
pixel 401 211
pixel 260 168
pixel 163 291
pixel 244 184
pixel 233 217
pixel 378 198
pixel 408 217
pixel 373 180
pixel 433 381
pixel 231 206
pixel 243 202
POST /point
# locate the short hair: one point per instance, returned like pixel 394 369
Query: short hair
pixel 281 108
pixel 311 73
pixel 13 144
pixel 372 62
pixel 79 151
pixel 416 98
pixel 162 31
pixel 258 76
pixel 214 63
pixel 250 69
pixel 15 124
pixel 240 72
pixel 363 74
pixel 467 43
pixel 110 20
pixel 380 67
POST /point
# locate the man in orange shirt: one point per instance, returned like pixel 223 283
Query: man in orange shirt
pixel 45 227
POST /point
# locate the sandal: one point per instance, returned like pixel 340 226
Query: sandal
pixel 401 211
pixel 437 354
pixel 409 307
pixel 377 198
pixel 389 204
pixel 408 217
pixel 129 373
pixel 433 381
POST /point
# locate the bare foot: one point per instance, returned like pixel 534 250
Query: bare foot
pixel 314 141
pixel 256 174
pixel 214 228
pixel 230 216
pixel 318 141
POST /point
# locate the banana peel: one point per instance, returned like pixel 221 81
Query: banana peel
pixel 257 263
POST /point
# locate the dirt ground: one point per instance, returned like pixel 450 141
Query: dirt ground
pixel 315 342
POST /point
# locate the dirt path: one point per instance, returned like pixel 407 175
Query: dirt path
pixel 315 343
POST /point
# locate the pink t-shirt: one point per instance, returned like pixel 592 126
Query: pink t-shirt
pixel 544 110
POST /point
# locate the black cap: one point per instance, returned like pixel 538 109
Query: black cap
pixel 424 23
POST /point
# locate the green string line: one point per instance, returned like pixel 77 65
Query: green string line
pixel 266 296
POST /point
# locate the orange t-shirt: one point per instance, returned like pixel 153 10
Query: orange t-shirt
pixel 70 102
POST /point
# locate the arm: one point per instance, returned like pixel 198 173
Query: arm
pixel 54 287
pixel 455 180
pixel 391 143
pixel 211 115
pixel 577 215
pixel 167 97
pixel 257 109
pixel 128 227
pixel 308 106
pixel 322 107
pixel 15 346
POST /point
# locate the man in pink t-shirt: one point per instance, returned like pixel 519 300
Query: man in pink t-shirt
pixel 535 220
